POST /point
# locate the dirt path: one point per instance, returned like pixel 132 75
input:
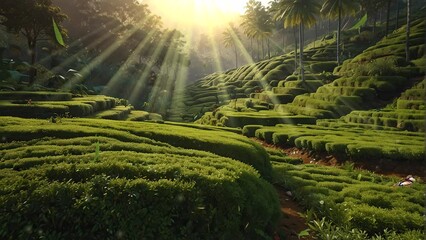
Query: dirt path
pixel 381 166
pixel 292 222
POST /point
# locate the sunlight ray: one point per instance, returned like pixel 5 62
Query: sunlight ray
pixel 160 86
pixel 101 57
pixel 59 68
pixel 115 80
pixel 140 84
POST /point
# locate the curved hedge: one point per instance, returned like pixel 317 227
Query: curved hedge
pixel 99 179
pixel 362 199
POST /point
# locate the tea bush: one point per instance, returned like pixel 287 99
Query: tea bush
pixel 324 66
pixel 355 143
pixel 354 198
pixel 36 96
pixel 87 178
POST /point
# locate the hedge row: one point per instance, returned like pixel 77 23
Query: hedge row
pixel 317 113
pixel 287 90
pixel 117 113
pixel 36 96
pixel 267 118
pixel 367 81
pixel 86 178
pixel 76 107
pixel 367 94
pixel 270 97
pixel 306 101
pixel 310 85
pixel 338 123
pixel 411 104
pixel 354 143
pixel 362 199
pixel 353 102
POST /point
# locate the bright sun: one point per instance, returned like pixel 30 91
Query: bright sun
pixel 197 13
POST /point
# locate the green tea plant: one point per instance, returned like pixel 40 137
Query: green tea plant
pixel 346 203
pixel 90 178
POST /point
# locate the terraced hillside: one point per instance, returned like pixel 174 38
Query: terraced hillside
pixel 89 178
pixel 91 167
pixel 268 93
pixel 58 105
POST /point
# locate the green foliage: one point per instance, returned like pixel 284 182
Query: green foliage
pixel 350 142
pixel 117 113
pixel 352 203
pixel 36 96
pixel 59 180
pixel 274 75
pixel 249 130
pixel 320 67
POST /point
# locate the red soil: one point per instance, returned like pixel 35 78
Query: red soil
pixel 293 222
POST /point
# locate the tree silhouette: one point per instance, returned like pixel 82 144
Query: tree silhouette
pixel 299 13
pixel 231 39
pixel 407 30
pixel 33 19
pixel 257 24
pixel 336 9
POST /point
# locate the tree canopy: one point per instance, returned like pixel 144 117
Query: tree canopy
pixel 32 19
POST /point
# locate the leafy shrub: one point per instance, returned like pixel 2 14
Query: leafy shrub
pixel 353 199
pixel 36 96
pixel 264 134
pixel 411 104
pixel 363 37
pixel 287 90
pixel 59 189
pixel 281 98
pixel 320 67
pixel 310 85
pixel 364 152
pixel 274 75
pixel 249 130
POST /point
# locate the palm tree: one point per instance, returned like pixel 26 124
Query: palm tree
pixel 299 13
pixel 388 9
pixel 231 38
pixel 397 15
pixel 336 9
pixel 256 23
pixel 407 40
pixel 249 28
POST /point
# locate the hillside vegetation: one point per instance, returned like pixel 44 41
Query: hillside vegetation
pixel 78 166
pixel 268 92
pixel 84 178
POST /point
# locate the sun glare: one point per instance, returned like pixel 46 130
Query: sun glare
pixel 197 13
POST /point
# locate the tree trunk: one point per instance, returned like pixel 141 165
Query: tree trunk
pixel 339 23
pixel 251 48
pixel 295 49
pixel 269 48
pixel 302 70
pixel 283 35
pixel 32 72
pixel 328 26
pixel 397 15
pixel 407 41
pixel 387 17
pixel 374 22
pixel 236 55
pixel 258 49
pixel 316 34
